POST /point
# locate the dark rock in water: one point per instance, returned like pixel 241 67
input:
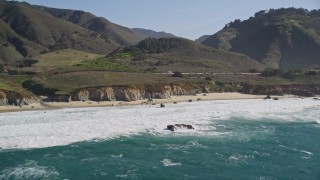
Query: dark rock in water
pixel 171 127
pixel 175 103
pixel 267 97
pixel 275 98
pixel 199 99
pixel 204 94
pixel 174 127
pixel 190 100
pixel 162 105
pixel 187 126
pixel 316 98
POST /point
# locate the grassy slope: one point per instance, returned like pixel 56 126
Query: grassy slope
pixel 14 84
pixel 66 57
pixel 69 82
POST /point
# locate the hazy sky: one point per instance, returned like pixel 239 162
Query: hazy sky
pixel 186 18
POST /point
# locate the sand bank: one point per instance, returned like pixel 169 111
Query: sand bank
pixel 172 99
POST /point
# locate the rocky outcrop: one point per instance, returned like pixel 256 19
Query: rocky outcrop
pixel 182 126
pixel 14 98
pixel 299 90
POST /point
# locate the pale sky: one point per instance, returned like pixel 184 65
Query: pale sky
pixel 185 18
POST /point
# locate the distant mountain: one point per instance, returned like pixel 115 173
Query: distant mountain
pixel 147 33
pixel 202 38
pixel 175 53
pixel 109 30
pixel 282 38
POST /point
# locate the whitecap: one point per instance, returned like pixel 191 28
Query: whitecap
pixel 190 145
pixel 117 156
pixel 236 159
pixel 307 152
pixel 122 176
pixel 168 163
pixel 266 178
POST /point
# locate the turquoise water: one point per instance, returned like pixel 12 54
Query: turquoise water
pixel 254 150
pixel 246 139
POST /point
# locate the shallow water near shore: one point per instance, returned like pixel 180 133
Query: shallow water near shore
pixel 240 139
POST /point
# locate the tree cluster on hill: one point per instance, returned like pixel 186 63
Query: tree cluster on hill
pixel 153 45
pixel 232 23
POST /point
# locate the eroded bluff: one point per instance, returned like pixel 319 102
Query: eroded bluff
pixel 14 98
pixel 130 93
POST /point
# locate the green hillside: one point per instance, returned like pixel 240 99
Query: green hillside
pixel 27 31
pixel 171 54
pixel 282 38
pixel 63 58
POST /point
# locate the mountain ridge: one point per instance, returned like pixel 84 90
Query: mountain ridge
pixel 148 33
pixel 120 34
pixel 201 39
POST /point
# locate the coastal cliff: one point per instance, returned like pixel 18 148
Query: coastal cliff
pixel 299 90
pixel 16 99
pixel 126 93
pixel 158 91
pixel 166 91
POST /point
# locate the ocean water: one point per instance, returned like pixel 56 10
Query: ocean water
pixel 235 139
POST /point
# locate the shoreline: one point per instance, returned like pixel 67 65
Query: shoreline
pixel 172 99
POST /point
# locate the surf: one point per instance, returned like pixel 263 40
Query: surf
pixel 38 129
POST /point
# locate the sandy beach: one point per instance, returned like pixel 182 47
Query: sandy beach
pixel 173 99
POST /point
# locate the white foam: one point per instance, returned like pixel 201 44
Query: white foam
pixel 307 152
pixel 168 163
pixel 29 170
pixel 236 159
pixel 189 145
pixel 37 129
pixel 117 156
